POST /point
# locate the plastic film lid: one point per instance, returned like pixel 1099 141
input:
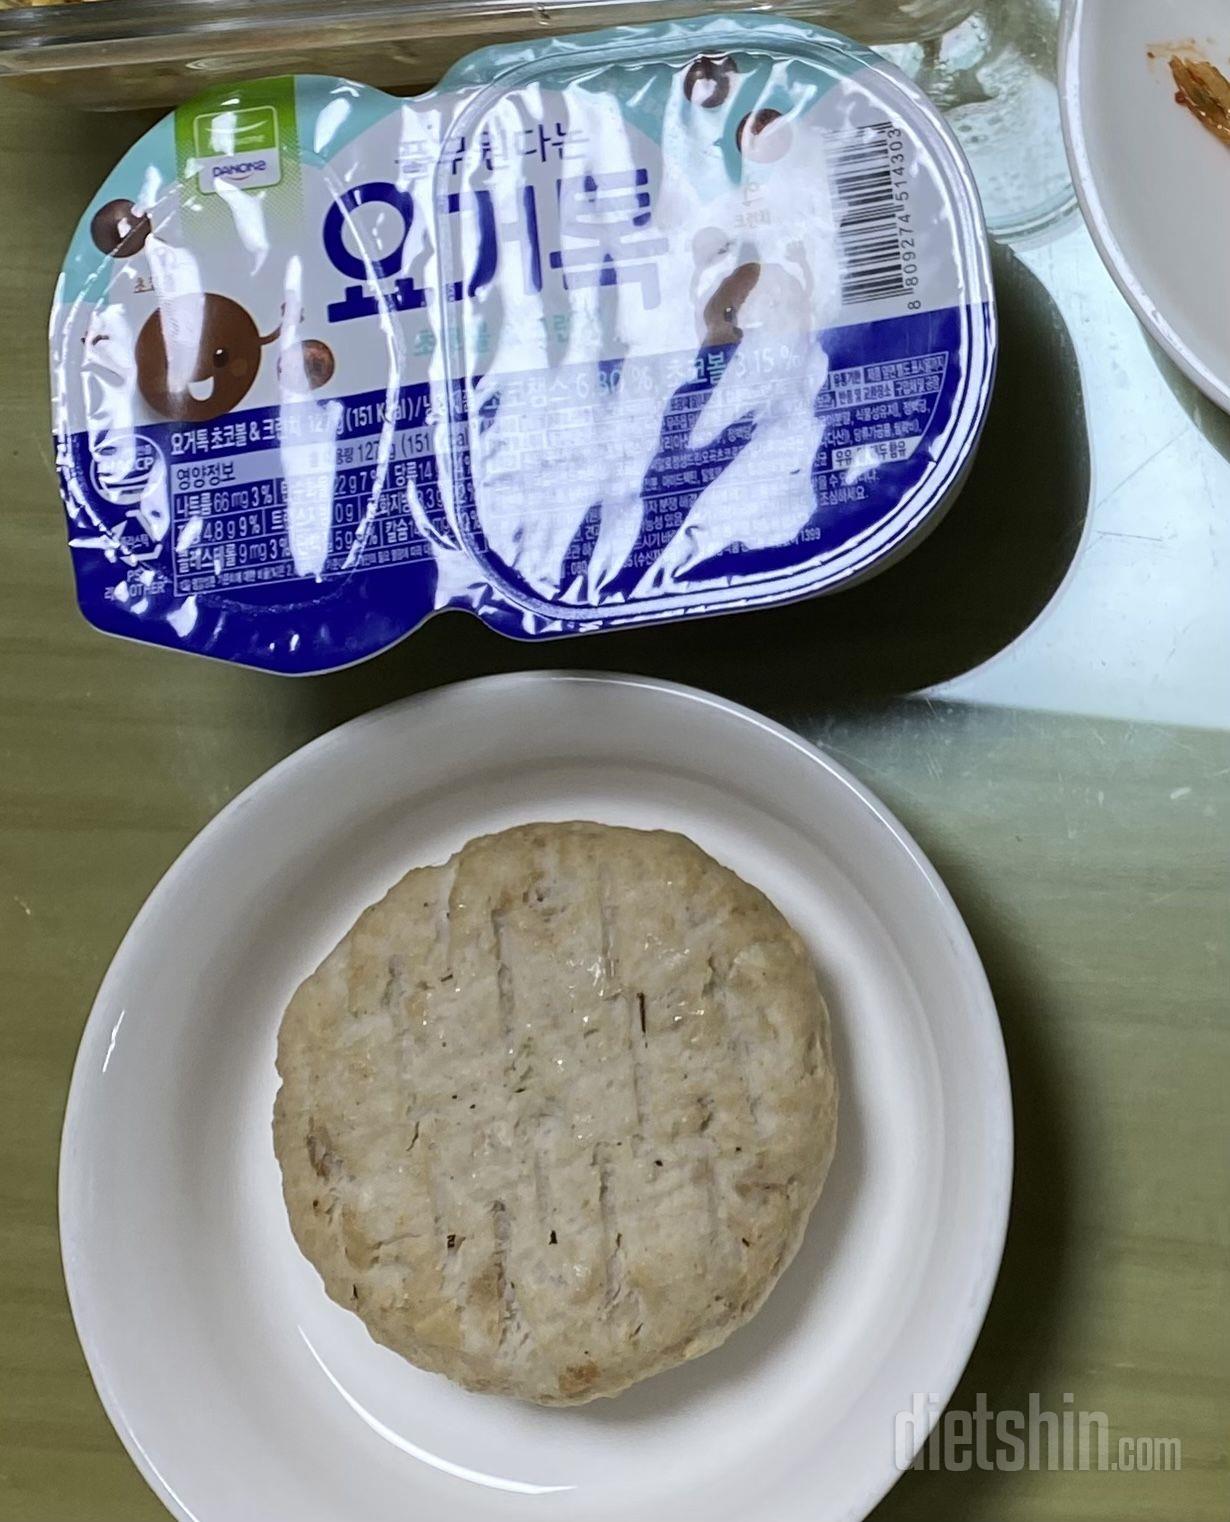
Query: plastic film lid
pixel 627 327
pixel 749 347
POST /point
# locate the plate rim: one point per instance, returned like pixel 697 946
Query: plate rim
pixel 997 1079
pixel 1101 229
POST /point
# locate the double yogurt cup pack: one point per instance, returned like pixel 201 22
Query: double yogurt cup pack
pixel 606 330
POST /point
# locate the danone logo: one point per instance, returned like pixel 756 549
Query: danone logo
pixel 237 146
pixel 238 137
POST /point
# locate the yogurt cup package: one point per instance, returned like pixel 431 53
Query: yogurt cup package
pixel 607 330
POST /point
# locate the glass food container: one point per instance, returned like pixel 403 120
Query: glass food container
pixel 121 54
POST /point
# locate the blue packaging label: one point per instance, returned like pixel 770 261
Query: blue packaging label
pixel 605 331
pixel 813 486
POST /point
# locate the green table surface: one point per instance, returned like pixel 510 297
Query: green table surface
pixel 1039 692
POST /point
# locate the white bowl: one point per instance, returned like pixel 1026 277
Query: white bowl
pixel 245 1395
pixel 1153 182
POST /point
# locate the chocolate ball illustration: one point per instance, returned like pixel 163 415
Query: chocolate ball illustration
pixel 306 366
pixel 720 317
pixel 763 136
pixel 778 305
pixel 708 245
pixel 708 80
pixel 119 229
pixel 197 357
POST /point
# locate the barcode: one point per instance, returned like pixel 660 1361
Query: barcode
pixel 865 209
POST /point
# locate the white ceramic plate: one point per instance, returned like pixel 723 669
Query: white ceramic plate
pixel 1153 182
pixel 243 1393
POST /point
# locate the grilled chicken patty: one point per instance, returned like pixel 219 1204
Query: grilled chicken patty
pixel 554 1114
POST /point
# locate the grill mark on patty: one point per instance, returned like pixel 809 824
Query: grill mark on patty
pixel 620 1292
pixel 512 1065
pixel 445 1239
pixel 634 1009
pixel 326 1164
pixel 546 1128
pixel 717 1253
pixel 444 914
pixel 510 1320
pixel 734 1044
pixel 606 936
pixel 405 1017
pixel 395 984
pixel 612 1240
pixel 542 1189
pixel 505 994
